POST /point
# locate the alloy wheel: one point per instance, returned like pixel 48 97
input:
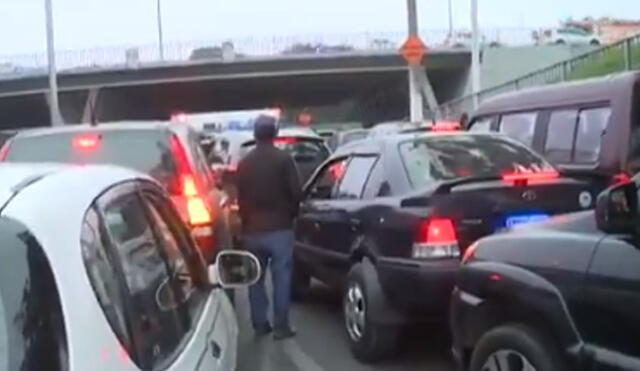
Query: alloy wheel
pixel 355 311
pixel 507 360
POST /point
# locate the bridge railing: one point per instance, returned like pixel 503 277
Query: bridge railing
pixel 108 57
pixel 621 56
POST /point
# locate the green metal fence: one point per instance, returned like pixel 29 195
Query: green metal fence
pixel 621 56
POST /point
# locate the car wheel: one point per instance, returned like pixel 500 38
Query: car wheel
pixel 369 341
pixel 595 42
pixel 560 42
pixel 300 282
pixel 516 348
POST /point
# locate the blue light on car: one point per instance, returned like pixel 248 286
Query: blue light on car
pixel 514 220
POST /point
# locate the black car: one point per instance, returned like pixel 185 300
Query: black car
pixel 387 220
pixel 561 295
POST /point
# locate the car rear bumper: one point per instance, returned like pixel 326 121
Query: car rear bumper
pixel 418 288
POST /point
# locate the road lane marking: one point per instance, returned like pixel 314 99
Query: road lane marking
pixel 299 358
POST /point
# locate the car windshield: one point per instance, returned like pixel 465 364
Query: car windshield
pixel 152 154
pixel 443 158
pixel 31 323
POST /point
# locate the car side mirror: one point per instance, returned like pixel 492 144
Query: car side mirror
pixel 234 269
pixel 617 209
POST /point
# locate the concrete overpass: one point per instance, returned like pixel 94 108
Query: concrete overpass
pixel 377 82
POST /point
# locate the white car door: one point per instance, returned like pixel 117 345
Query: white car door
pixel 172 320
pixel 213 323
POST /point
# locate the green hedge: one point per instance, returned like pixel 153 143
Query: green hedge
pixel 611 62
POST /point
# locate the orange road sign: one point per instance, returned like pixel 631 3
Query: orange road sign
pixel 413 50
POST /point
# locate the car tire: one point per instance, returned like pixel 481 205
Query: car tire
pixel 515 345
pixel 369 341
pixel 595 42
pixel 300 282
pixel 560 42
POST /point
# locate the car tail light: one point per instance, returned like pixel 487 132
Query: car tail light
pixel 441 126
pixel 4 151
pixel 86 142
pixel 530 177
pixel 197 210
pixel 287 140
pixel 470 253
pixel 436 238
pixel 620 178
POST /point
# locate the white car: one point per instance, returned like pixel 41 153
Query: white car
pixel 570 36
pixel 98 272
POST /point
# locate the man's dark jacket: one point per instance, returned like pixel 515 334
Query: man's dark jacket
pixel 269 190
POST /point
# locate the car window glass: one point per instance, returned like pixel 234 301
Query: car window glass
pixel 591 126
pixel 157 328
pixel 377 185
pixel 519 126
pixel 200 161
pixel 103 276
pixel 32 325
pixel 174 241
pixel 152 153
pixel 560 135
pixel 453 157
pixel 326 183
pixel 355 177
pixel 482 124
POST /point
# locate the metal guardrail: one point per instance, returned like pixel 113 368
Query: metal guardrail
pixel 175 52
pixel 620 56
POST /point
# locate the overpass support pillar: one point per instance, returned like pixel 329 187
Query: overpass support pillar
pixel 90 114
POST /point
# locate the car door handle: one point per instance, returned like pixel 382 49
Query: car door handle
pixel 216 351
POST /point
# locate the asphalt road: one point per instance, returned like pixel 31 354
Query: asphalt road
pixel 321 344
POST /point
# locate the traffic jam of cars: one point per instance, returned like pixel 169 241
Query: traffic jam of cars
pixel 518 230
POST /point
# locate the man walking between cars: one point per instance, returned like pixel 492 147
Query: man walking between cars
pixel 268 197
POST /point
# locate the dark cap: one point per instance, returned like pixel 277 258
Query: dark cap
pixel 265 128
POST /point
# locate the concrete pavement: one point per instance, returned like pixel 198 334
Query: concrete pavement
pixel 321 344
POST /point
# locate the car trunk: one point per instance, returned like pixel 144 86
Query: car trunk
pixel 481 208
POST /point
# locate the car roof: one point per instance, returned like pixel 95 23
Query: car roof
pixel 298 132
pixel 107 126
pixel 594 90
pixel 15 178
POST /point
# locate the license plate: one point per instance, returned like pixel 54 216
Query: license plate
pixel 514 220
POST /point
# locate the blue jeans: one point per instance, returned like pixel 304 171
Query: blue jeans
pixel 274 249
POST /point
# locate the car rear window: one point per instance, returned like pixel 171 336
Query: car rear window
pixel 445 158
pixel 353 136
pixel 147 151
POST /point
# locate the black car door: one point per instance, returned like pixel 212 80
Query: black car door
pixel 611 316
pixel 310 247
pixel 339 217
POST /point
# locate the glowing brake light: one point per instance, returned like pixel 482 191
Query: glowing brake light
pixel 526 177
pixel 617 179
pixel 180 118
pixel 4 151
pixel 197 211
pixel 445 126
pixel 436 239
pixel 86 142
pixel 287 140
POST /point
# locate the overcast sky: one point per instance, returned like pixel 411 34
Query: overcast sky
pixel 81 24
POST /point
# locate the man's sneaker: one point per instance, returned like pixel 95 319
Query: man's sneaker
pixel 283 333
pixel 263 330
